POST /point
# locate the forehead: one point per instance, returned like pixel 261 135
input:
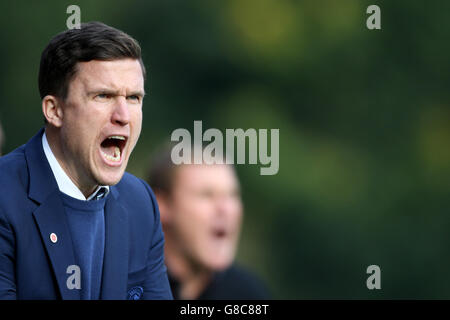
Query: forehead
pixel 220 176
pixel 113 74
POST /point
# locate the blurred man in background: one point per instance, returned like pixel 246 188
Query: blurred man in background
pixel 201 215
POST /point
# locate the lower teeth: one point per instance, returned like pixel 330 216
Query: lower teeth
pixel 116 156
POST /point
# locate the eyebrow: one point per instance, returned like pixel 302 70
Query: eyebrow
pixel 116 92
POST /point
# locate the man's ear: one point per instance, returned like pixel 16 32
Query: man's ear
pixel 164 207
pixel 52 109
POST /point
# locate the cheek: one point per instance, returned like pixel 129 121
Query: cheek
pixel 84 121
pixel 192 218
pixel 137 119
pixel 236 218
pixel 136 123
pixel 235 209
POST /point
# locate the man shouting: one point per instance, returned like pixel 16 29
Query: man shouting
pixel 73 224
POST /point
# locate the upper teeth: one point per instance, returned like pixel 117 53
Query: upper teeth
pixel 117 137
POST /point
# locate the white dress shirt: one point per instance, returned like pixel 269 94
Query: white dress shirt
pixel 65 184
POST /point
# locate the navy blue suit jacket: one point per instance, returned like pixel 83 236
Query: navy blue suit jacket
pixel 34 267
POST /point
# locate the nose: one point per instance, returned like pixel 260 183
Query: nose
pixel 121 114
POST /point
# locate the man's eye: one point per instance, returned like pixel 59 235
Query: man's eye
pixel 206 194
pixel 102 96
pixel 134 98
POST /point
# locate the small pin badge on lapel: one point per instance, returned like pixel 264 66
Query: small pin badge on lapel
pixel 53 237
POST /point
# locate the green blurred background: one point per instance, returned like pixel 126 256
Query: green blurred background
pixel 364 119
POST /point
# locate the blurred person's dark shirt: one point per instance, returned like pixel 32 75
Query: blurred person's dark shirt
pixel 234 283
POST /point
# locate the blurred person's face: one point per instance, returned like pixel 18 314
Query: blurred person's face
pixel 206 214
pixel 101 121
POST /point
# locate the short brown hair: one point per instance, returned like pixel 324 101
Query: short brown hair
pixel 161 173
pixel 93 41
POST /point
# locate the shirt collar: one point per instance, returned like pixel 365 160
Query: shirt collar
pixel 66 185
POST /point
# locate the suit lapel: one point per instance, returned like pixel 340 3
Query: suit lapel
pixel 115 262
pixel 51 218
pixel 50 215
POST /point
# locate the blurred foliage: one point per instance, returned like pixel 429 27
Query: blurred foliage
pixel 364 123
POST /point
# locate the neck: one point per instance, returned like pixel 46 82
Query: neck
pixel 54 141
pixel 192 277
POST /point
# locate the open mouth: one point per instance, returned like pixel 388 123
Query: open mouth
pixel 219 233
pixel 112 147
